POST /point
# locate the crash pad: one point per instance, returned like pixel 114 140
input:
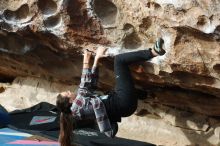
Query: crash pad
pixel 43 119
pixel 11 137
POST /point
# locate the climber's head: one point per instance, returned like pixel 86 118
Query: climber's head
pixel 66 96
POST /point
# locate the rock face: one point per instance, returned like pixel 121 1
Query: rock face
pixel 44 39
pixel 26 92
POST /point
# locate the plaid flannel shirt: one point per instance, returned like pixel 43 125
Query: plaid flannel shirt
pixel 86 96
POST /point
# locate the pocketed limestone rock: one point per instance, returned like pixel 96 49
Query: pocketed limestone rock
pixel 44 39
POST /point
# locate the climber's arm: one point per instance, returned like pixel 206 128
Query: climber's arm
pixel 86 77
pixel 100 53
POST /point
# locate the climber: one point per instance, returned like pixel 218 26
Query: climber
pixel 107 109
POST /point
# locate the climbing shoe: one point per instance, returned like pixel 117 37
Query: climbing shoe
pixel 158 47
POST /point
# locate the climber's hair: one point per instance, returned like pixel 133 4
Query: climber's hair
pixel 66 120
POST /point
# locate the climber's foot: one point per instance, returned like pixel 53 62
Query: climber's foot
pixel 159 47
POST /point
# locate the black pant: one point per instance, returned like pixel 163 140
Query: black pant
pixel 124 102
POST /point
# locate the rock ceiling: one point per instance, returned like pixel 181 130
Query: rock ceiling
pixel 45 38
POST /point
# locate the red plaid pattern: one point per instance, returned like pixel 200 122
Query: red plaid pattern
pixel 85 96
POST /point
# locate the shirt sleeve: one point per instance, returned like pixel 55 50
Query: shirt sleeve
pixel 89 79
pixel 95 77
